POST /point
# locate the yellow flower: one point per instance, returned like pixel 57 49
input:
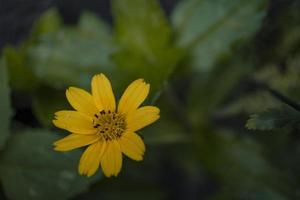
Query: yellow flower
pixel 109 131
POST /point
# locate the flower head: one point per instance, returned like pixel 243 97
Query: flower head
pixel 106 129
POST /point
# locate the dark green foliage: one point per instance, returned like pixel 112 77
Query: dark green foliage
pixel 211 65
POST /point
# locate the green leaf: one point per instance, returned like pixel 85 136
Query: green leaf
pixel 31 169
pixel 5 111
pixel 211 28
pixel 145 38
pixel 273 119
pixel 71 55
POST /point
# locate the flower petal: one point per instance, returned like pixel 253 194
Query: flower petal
pixel 134 96
pixel 74 122
pixel 90 159
pixel 111 161
pixel 74 141
pixel 81 101
pixel 142 117
pixel 132 146
pixel 103 93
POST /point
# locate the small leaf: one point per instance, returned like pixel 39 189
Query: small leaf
pixel 5 111
pixel 31 169
pixel 211 28
pixel 273 119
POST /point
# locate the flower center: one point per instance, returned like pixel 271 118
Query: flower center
pixel 109 125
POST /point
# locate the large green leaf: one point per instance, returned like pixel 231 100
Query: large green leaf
pixel 71 55
pixel 145 38
pixel 211 28
pixel 31 169
pixel 5 111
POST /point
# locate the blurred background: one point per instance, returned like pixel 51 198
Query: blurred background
pixel 225 74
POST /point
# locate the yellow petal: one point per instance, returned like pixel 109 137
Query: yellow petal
pixel 81 101
pixel 132 146
pixel 142 117
pixel 103 93
pixel 111 161
pixel 90 159
pixel 134 96
pixel 74 141
pixel 74 122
